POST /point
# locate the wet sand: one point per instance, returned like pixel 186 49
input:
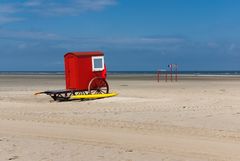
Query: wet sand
pixel 194 119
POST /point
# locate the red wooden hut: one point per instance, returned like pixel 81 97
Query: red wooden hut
pixel 85 71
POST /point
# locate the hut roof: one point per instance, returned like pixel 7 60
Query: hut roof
pixel 88 53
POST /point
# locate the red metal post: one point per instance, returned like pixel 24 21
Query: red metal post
pixel 171 72
pixel 158 75
pixel 166 77
pixel 176 75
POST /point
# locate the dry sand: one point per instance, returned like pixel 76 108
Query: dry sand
pixel 194 119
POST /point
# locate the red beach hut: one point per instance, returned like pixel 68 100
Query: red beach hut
pixel 85 71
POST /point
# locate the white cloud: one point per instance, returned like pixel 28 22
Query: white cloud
pixel 9 19
pixel 232 46
pixel 33 35
pixel 32 3
pixel 169 40
pixel 8 9
pixel 11 11
pixel 22 46
pixel 212 45
pixel 138 40
pixel 93 43
pixel 131 43
pixel 28 35
pixel 7 12
pixel 94 4
pixel 56 8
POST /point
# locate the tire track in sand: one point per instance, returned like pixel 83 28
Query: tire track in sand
pixel 191 147
pixel 143 126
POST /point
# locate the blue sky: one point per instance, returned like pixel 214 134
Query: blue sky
pixel 135 35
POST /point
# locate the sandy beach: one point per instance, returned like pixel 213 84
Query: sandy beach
pixel 194 119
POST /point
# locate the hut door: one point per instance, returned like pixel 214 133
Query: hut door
pixel 70 73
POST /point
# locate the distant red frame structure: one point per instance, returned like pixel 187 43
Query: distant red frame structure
pixel 173 70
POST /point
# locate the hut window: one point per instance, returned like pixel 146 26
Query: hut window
pixel 97 63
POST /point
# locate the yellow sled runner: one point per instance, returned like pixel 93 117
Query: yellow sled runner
pixel 93 96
